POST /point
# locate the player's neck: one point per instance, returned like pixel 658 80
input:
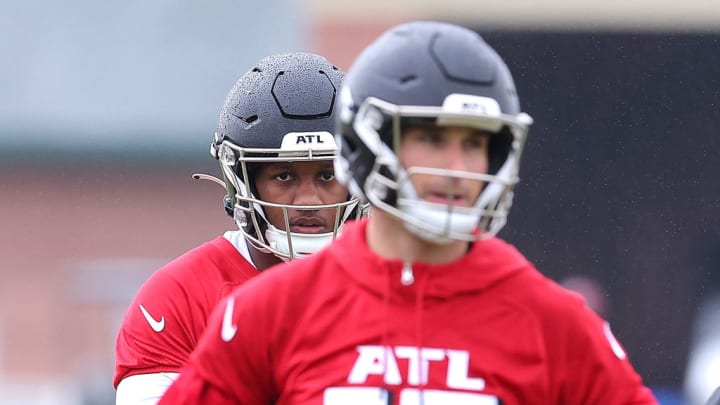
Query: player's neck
pixel 262 260
pixel 388 237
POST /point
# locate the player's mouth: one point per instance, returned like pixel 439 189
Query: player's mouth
pixel 444 198
pixel 309 225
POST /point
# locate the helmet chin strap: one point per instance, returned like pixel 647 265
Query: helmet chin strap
pixel 437 225
pixel 303 244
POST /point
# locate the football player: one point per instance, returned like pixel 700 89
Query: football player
pixel 275 147
pixel 420 303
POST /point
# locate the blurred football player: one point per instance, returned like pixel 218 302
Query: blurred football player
pixel 275 147
pixel 420 303
pixel 714 398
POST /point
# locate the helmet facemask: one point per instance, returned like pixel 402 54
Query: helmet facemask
pixel 239 166
pixel 380 125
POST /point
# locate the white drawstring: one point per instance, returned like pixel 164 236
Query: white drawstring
pixel 407 277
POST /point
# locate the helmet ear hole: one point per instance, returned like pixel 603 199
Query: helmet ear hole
pixel 499 147
pixel 228 205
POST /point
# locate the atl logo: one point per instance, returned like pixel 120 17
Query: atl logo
pixel 474 107
pixel 382 360
pixel 305 139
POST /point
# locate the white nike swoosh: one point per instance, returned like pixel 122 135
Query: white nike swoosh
pixel 228 329
pixel 157 326
pixel 614 344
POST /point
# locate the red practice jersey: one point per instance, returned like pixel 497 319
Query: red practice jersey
pixel 168 315
pixel 340 327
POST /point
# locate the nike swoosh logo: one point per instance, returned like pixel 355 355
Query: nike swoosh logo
pixel 228 329
pixel 614 344
pixel 157 326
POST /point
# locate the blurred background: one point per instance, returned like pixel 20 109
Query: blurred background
pixel 107 108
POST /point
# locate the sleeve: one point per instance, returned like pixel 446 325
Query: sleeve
pixel 593 367
pixel 143 389
pixel 159 330
pixel 231 363
pixel 191 388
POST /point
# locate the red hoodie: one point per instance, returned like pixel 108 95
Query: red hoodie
pixel 340 327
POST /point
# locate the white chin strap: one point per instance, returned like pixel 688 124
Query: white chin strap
pixel 303 244
pixel 438 225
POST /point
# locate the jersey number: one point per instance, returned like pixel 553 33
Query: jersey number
pixel 408 396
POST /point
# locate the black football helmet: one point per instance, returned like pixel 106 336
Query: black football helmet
pixel 280 110
pixel 441 74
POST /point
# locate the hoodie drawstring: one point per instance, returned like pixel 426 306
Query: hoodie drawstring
pixel 385 339
pixel 419 316
pixel 406 276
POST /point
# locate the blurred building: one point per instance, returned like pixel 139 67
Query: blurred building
pixel 107 109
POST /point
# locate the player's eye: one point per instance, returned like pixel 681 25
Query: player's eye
pixel 476 141
pixel 284 176
pixel 425 137
pixel 431 137
pixel 327 176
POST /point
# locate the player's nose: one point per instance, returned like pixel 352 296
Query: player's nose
pixel 307 193
pixel 454 155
